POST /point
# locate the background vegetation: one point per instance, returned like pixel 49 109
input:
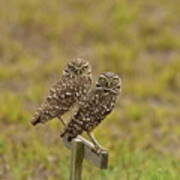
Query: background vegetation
pixel 138 39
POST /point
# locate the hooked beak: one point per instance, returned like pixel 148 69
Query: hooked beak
pixel 78 71
pixel 110 90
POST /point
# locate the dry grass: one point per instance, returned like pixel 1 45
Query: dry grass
pixel 137 39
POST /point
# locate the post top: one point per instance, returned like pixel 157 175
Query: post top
pixel 100 160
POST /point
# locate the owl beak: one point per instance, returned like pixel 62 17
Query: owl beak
pixel 78 72
pixel 108 84
pixel 110 90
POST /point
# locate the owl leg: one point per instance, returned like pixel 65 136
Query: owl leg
pixel 98 147
pixel 62 121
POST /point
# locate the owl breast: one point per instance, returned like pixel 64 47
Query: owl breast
pixel 82 86
pixel 103 105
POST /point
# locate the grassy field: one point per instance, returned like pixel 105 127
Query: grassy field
pixel 140 40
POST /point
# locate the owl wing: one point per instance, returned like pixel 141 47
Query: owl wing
pixel 58 101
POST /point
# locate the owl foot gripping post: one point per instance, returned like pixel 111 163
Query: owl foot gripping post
pixel 97 147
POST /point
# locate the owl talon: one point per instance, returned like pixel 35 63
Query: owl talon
pixel 97 147
pixel 98 150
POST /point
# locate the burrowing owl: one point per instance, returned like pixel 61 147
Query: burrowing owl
pixel 95 107
pixel 73 85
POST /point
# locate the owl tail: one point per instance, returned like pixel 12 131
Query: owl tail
pixel 63 134
pixel 38 117
pixel 67 136
pixel 36 120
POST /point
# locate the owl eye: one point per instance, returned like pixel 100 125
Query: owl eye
pixel 102 80
pixel 72 68
pixel 115 81
pixel 84 68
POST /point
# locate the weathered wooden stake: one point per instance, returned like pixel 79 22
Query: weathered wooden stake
pixel 83 149
pixel 77 159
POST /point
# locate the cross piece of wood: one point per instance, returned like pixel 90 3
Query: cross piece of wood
pixel 83 149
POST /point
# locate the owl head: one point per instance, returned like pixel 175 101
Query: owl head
pixel 109 82
pixel 77 67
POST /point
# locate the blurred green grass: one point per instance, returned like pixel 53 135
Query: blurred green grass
pixel 140 40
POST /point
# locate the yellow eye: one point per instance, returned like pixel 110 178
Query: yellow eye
pixel 71 67
pixel 115 81
pixel 102 80
pixel 84 68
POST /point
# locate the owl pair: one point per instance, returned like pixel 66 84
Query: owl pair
pixel 93 105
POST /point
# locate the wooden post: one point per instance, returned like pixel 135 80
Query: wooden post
pixel 77 159
pixel 83 149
